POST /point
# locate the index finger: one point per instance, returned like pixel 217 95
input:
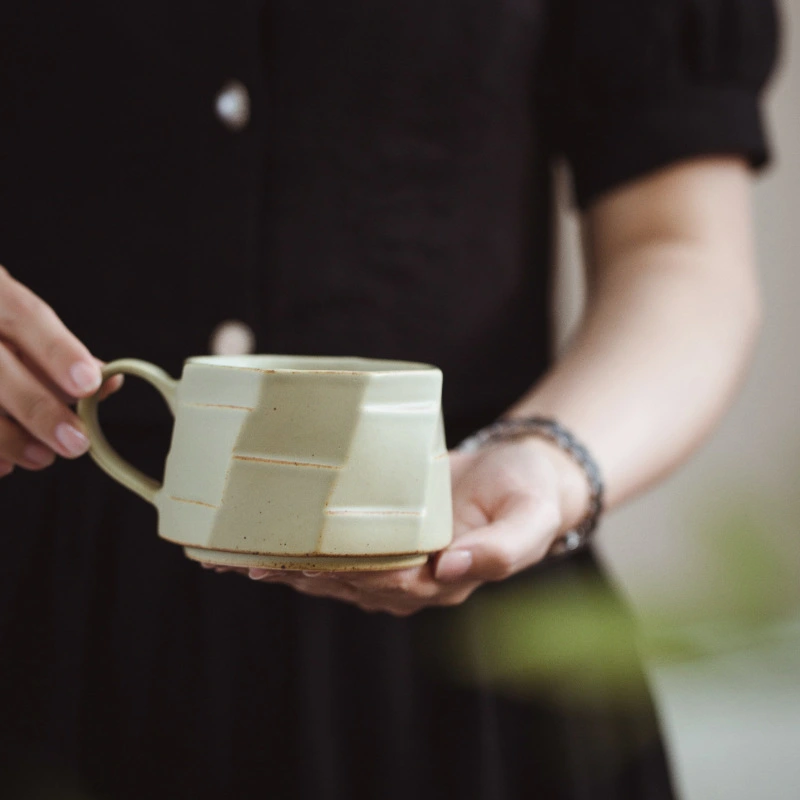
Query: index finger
pixel 396 580
pixel 34 328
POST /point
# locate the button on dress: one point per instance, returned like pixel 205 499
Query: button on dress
pixel 356 178
pixel 232 105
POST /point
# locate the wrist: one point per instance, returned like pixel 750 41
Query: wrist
pixel 574 492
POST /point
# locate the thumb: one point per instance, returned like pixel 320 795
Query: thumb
pixel 518 536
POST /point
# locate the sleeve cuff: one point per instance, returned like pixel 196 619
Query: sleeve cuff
pixel 606 152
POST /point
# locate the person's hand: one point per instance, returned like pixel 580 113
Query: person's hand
pixel 510 501
pixel 43 369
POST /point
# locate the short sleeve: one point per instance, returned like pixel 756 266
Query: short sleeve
pixel 634 85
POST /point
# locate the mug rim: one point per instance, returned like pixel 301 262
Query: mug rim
pixel 248 361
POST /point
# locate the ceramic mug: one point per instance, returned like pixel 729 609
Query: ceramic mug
pixel 295 462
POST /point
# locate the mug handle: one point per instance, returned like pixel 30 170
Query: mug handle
pixel 101 451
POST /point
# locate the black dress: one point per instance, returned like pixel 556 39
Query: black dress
pixel 387 193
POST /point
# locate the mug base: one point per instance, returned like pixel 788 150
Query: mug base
pixel 222 558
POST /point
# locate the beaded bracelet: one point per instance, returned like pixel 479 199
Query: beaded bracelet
pixel 504 430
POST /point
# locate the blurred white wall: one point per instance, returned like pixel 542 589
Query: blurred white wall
pixel 733 718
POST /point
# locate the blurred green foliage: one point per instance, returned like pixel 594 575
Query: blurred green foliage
pixel 578 640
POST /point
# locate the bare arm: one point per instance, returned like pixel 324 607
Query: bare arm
pixel 672 313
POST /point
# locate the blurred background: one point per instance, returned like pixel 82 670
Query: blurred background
pixel 711 560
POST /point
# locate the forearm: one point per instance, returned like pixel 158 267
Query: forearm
pixel 665 341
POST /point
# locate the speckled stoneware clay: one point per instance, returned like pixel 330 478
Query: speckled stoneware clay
pixel 296 462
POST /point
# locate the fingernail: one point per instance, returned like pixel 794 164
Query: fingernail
pixel 453 564
pixel 257 574
pixel 71 439
pixel 310 574
pixel 86 377
pixel 38 455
